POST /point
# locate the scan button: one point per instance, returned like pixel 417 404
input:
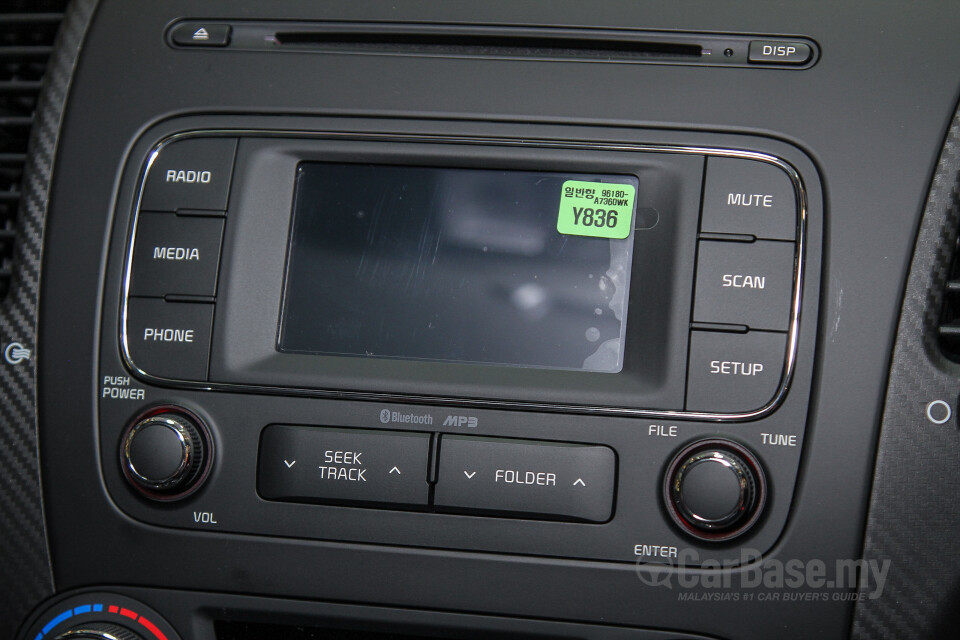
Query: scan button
pixel 745 284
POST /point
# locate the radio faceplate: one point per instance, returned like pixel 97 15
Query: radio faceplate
pixel 212 245
pixel 234 242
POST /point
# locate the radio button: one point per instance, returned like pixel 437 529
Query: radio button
pixel 169 339
pixel 190 174
pixel 527 479
pixel 745 283
pixel 176 255
pixel 314 464
pixel 732 372
pixel 748 197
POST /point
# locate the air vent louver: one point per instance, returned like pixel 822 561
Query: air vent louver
pixel 27 32
pixel 950 312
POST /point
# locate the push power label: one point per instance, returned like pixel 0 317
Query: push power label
pixel 596 209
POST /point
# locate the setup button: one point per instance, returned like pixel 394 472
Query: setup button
pixel 522 478
pixel 732 372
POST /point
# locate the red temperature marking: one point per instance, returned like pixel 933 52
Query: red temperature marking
pixel 152 627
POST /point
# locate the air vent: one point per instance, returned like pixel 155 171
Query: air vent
pixel 27 32
pixel 950 313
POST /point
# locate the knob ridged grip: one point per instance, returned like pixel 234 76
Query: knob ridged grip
pixel 99 631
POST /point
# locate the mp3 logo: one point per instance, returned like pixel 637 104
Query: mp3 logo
pixel 460 421
pixel 385 416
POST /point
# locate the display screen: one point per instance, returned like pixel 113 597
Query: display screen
pixel 510 268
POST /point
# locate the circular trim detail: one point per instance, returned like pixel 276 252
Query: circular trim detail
pixel 754 489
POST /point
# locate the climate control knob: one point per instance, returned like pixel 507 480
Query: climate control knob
pixel 99 631
pixel 715 489
pixel 166 453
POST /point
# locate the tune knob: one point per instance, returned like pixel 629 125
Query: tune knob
pixel 166 453
pixel 715 489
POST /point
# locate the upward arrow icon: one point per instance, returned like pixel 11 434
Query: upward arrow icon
pixel 579 483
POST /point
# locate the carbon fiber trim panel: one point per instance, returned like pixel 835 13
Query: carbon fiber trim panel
pixel 26 575
pixel 914 519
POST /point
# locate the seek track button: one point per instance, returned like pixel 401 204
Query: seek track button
pixel 344 465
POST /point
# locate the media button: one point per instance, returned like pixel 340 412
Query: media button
pixel 176 255
pixel 732 372
pixel 169 339
pixel 745 284
pixel 497 476
pixel 347 466
pixel 748 197
pixel 193 173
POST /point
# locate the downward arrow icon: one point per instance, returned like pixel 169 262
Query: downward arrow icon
pixel 469 475
pixel 289 464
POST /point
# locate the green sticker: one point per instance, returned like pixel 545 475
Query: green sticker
pixel 596 209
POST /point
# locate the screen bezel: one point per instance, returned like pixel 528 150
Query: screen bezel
pixel 255 257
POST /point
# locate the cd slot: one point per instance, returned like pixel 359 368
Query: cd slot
pixel 501 42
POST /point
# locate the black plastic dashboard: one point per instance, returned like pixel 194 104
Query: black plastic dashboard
pixel 696 454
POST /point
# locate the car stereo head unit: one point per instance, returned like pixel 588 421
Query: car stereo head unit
pixel 527 339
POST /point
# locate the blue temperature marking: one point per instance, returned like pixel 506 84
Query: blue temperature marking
pixel 60 618
pixel 76 611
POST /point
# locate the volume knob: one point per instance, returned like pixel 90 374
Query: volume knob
pixel 166 453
